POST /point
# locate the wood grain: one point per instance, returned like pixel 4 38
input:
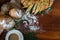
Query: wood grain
pixel 50 23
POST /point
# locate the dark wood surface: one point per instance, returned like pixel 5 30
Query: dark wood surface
pixel 50 23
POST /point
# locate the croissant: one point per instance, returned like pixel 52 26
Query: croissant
pixel 36 5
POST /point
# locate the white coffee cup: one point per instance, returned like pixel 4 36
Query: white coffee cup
pixel 18 33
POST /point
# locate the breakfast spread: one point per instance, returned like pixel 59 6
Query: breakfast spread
pixel 21 15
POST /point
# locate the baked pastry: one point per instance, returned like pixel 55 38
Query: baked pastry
pixel 9 5
pixel 36 5
pixel 16 13
pixel 6 23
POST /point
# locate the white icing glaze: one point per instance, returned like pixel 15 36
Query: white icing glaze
pixel 5 25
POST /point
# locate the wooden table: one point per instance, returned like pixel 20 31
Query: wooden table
pixel 50 23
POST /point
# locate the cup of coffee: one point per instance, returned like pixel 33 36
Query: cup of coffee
pixel 14 35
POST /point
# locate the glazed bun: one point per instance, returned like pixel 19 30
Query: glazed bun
pixel 15 13
pixel 6 22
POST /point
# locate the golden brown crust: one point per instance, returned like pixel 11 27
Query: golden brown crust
pixel 41 4
pixel 11 13
pixel 15 13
